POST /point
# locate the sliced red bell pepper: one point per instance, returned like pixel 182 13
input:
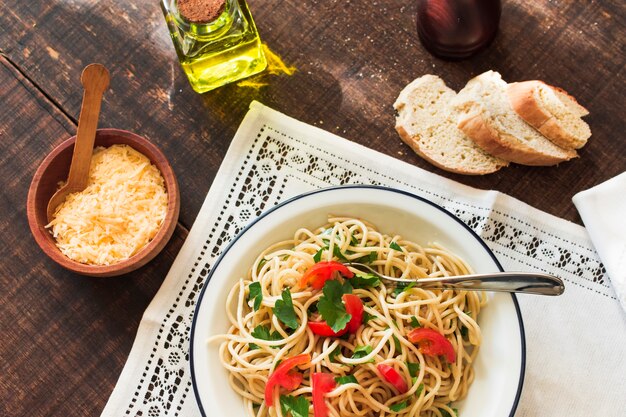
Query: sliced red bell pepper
pixel 283 376
pixel 321 385
pixel 321 328
pixel 354 307
pixel 431 342
pixel 393 377
pixel 321 272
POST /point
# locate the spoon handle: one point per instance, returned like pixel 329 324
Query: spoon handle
pixel 95 80
pixel 520 282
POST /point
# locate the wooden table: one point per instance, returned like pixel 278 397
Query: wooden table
pixel 65 338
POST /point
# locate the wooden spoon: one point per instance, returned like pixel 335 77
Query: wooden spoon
pixel 95 80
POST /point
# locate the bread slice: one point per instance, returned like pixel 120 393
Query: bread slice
pixel 486 116
pixel 552 111
pixel 427 123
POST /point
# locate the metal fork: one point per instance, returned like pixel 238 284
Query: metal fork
pixel 520 282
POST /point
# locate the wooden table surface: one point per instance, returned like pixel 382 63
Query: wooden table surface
pixel 65 338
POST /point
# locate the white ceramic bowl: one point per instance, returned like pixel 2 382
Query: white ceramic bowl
pixel 499 368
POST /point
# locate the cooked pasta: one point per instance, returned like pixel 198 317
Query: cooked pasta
pixel 264 332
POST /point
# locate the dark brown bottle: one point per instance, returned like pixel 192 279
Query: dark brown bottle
pixel 457 29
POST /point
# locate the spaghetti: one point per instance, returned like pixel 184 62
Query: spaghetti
pixel 380 366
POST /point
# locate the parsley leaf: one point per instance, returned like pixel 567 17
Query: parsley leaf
pixel 337 253
pixel 318 256
pixel 361 352
pixel 415 322
pixel 465 330
pixel 364 281
pixel 444 413
pixel 367 317
pixel 340 380
pixel 260 265
pixel 298 406
pixel 255 294
pixel 399 406
pixel 401 287
pixel 419 390
pixel 353 240
pixel 333 355
pixel 283 310
pixel 397 344
pixel 263 332
pixel 331 307
pixel 414 368
pixel 367 259
pixel 395 246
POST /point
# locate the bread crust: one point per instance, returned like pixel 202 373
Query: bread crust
pixel 475 124
pixel 409 140
pixel 523 99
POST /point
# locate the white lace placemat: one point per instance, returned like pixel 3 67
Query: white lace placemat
pixel 575 343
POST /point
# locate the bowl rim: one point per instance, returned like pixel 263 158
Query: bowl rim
pixel 194 378
pixel 148 252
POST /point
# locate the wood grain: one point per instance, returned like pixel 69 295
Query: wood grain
pixel 65 337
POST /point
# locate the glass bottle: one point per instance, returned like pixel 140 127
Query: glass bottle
pixel 457 29
pixel 216 50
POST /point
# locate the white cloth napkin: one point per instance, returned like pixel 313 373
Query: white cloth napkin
pixel 603 210
pixel 574 342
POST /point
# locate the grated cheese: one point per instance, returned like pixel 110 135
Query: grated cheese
pixel 119 212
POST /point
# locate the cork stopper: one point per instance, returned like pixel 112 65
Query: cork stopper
pixel 201 11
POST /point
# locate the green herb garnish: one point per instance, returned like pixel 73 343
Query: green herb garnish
pixel 348 379
pixel 361 352
pixel 255 294
pixel 297 406
pixel 260 265
pixel 331 307
pixel 337 253
pixel 367 317
pixel 399 406
pixel 367 259
pixel 283 310
pixel 333 355
pixel 395 246
pixel 419 389
pixel 415 322
pixel 414 368
pixel 263 332
pixel 445 413
pixel 397 343
pixel 401 287
pixel 318 256
pixel 365 281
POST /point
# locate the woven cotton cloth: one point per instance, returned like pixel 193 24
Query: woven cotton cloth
pixel 575 343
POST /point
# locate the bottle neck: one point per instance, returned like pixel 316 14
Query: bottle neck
pixel 205 30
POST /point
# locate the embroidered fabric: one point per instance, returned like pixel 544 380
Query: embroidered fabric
pixel 274 157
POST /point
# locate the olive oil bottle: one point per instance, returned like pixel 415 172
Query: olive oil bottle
pixel 216 41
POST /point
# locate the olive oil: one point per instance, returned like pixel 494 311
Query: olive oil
pixel 217 52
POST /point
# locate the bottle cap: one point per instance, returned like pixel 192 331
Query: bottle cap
pixel 201 11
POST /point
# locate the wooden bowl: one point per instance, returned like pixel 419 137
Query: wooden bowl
pixel 55 168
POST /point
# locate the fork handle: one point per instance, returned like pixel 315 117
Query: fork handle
pixel 519 282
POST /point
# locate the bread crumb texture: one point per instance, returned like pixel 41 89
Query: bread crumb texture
pixel 428 124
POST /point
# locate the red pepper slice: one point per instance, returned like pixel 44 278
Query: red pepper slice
pixel 321 385
pixel 354 307
pixel 321 272
pixel 284 377
pixel 431 342
pixel 320 328
pixel 393 377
